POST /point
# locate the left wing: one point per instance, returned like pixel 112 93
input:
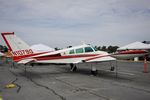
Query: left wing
pixel 98 58
pixel 101 59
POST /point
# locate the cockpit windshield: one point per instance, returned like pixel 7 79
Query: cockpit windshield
pixel 88 49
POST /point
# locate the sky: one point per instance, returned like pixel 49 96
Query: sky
pixel 61 23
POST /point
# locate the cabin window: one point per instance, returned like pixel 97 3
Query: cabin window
pixel 88 49
pixel 71 52
pixel 80 50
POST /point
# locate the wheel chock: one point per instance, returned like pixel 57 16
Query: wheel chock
pixel 10 86
pixel 1 97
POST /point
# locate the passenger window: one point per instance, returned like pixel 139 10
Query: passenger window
pixel 80 50
pixel 88 49
pixel 71 52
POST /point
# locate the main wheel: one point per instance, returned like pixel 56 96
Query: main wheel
pixel 112 68
pixel 94 72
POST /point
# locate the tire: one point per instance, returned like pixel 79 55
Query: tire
pixel 94 72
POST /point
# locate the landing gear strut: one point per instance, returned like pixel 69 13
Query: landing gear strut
pixel 73 67
pixel 112 68
pixel 94 71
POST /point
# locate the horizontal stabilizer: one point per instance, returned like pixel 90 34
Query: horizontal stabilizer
pixel 25 61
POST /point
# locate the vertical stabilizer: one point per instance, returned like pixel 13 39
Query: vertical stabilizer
pixel 17 46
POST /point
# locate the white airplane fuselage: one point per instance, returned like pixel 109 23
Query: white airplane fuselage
pixel 22 53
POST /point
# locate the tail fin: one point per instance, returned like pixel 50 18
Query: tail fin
pixel 16 45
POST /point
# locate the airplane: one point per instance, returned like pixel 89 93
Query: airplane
pixel 23 54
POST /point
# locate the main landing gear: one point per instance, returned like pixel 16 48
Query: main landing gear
pixel 94 71
pixel 73 67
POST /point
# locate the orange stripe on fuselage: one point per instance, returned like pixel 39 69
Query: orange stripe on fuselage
pixel 64 57
pixel 53 57
pixel 133 52
pixel 18 58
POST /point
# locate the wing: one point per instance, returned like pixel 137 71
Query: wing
pixel 99 58
pixel 102 59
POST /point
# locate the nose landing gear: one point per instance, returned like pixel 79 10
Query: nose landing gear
pixel 94 70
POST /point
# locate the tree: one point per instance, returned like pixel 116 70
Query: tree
pixel 99 48
pixel 69 46
pixel 56 49
pixel 5 49
pixel 103 48
pixel 112 49
pixel 1 47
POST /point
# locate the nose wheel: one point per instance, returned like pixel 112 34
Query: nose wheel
pixel 112 68
pixel 94 70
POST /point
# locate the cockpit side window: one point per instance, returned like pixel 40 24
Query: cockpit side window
pixel 71 52
pixel 88 49
pixel 80 50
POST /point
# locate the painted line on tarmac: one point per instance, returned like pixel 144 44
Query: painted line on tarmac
pixel 126 73
pixel 132 61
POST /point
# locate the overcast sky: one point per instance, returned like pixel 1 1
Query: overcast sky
pixel 59 23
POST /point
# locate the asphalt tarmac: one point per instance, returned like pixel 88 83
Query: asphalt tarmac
pixel 56 82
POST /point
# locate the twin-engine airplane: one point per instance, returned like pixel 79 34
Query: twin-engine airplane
pixel 22 53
